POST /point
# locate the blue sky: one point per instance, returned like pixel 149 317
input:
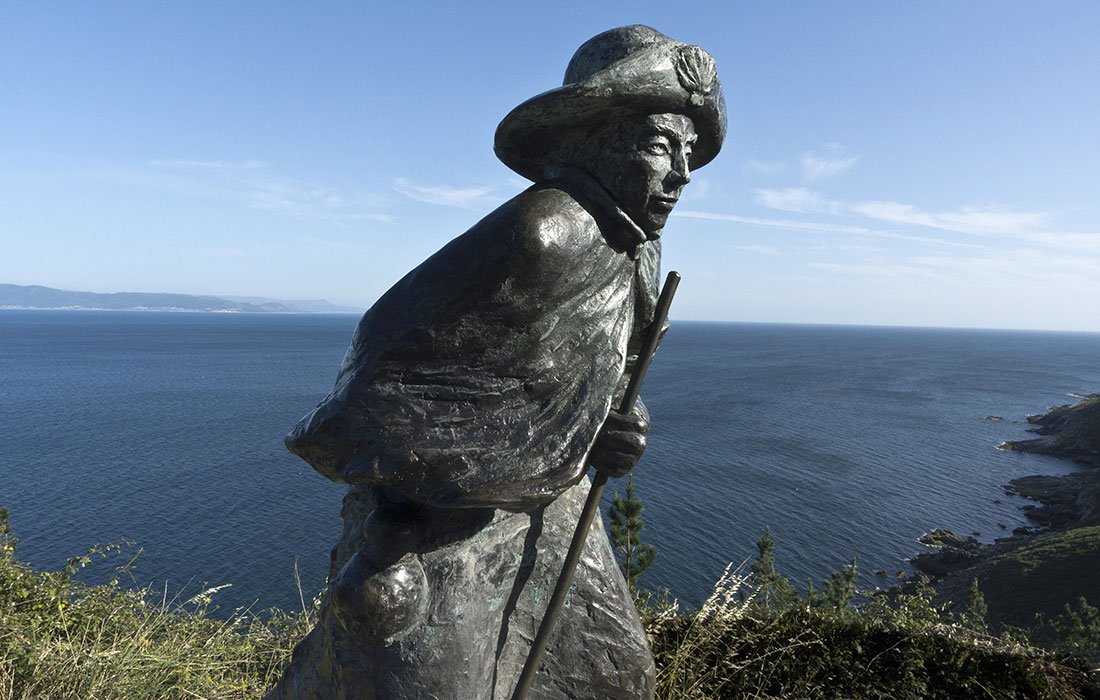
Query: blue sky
pixel 903 163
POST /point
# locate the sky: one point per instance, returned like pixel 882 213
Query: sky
pixel 927 163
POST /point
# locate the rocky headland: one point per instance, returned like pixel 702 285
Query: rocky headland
pixel 14 296
pixel 1070 432
pixel 1038 570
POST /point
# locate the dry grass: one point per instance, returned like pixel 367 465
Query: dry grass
pixel 736 646
pixel 61 639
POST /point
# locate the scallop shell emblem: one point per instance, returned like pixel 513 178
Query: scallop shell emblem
pixel 696 71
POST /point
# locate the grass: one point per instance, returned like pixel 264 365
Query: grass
pixel 902 648
pixel 61 639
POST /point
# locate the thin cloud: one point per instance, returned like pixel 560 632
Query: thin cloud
pixel 997 269
pixel 342 247
pixel 970 219
pixel 796 199
pixel 293 199
pixel 221 252
pixel 208 164
pixel 311 202
pixel 1078 242
pixel 851 248
pixel 381 218
pixel 1016 264
pixel 894 212
pixel 794 225
pixel 255 185
pixel 863 271
pixel 773 167
pixel 993 220
pixel 819 167
pixel 443 195
pixel 761 249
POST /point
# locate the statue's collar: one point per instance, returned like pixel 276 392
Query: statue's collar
pixel 620 231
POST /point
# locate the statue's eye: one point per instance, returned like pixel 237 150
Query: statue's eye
pixel 657 146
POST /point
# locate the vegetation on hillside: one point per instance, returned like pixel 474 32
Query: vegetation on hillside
pixel 756 637
pixel 61 640
pixel 1034 581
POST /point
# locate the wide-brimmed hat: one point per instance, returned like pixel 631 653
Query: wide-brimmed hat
pixel 621 72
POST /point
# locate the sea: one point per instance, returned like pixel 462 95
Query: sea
pixel 165 430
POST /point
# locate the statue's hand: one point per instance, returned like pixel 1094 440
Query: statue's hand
pixel 620 442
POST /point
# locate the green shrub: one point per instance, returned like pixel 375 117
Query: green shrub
pixel 1078 632
pixel 756 638
pixel 773 588
pixel 633 555
pixel 904 650
pixel 976 609
pixel 837 591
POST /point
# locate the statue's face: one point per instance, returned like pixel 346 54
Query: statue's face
pixel 647 167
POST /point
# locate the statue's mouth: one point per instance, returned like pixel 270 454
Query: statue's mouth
pixel 663 204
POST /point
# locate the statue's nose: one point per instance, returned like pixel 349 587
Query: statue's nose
pixel 680 174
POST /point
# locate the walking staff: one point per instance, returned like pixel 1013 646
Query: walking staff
pixel 592 504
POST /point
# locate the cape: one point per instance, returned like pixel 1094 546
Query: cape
pixel 482 377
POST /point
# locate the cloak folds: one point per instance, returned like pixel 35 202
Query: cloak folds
pixel 482 377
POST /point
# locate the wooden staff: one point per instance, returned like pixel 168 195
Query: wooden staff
pixel 592 504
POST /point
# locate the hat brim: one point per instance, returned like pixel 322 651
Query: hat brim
pixel 644 84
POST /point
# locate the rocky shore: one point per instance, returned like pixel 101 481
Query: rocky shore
pixel 1037 570
pixel 1070 432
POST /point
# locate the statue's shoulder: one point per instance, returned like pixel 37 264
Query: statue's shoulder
pixel 549 219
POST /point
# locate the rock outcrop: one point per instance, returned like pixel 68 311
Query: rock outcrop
pixel 1070 432
pixel 954 553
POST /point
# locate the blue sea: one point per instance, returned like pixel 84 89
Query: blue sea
pixel 166 429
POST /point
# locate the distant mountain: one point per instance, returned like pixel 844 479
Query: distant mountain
pixel 312 306
pixel 37 297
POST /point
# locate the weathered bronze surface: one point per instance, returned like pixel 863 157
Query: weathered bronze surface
pixel 477 391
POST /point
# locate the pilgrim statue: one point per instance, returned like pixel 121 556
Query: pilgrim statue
pixel 478 390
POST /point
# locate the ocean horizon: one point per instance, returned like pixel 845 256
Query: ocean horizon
pixel 166 429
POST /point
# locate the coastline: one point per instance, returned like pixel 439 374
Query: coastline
pixel 1033 573
pixel 167 309
pixel 39 298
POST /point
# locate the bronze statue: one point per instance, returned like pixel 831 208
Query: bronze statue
pixel 477 391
